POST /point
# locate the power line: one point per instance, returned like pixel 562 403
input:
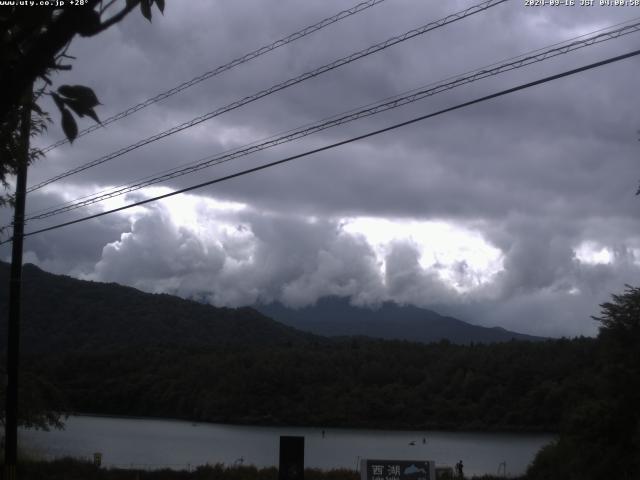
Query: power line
pixel 280 86
pixel 112 189
pixel 612 34
pixel 223 68
pixel 343 142
pixel 385 105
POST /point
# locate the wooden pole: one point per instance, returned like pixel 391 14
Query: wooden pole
pixel 15 286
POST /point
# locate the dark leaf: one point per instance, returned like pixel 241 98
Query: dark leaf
pixel 90 23
pixel 58 101
pixel 80 109
pixel 76 106
pixel 160 4
pixel 69 126
pixel 145 8
pixel 91 112
pixel 80 93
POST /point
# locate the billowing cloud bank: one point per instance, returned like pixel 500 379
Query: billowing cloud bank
pixel 232 254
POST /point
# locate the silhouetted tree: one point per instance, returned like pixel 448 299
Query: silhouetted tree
pixel 620 349
pixel 33 47
pixel 41 403
pixel 601 438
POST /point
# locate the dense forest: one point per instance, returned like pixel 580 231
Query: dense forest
pixel 179 359
pixel 356 383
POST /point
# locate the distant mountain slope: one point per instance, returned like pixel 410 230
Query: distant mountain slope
pixel 333 316
pixel 61 313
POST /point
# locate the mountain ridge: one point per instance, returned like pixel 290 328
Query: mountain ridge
pixel 61 313
pixel 335 316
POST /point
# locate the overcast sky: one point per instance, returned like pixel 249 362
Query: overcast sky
pixel 519 212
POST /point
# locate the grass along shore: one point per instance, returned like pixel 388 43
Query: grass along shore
pixel 75 469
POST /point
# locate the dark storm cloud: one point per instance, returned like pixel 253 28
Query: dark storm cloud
pixel 537 173
pixel 74 251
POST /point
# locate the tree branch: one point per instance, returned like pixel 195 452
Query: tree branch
pixel 37 58
pixel 106 7
pixel 117 17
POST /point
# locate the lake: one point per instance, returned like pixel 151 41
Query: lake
pixel 152 443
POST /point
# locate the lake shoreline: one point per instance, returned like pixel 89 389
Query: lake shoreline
pixel 161 443
pixel 74 468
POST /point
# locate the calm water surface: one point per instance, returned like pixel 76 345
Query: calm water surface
pixel 146 443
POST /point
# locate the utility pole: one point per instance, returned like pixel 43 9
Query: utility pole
pixel 15 286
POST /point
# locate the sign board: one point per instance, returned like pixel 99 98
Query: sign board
pixel 397 469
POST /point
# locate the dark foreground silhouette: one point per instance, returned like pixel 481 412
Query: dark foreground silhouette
pixel 70 469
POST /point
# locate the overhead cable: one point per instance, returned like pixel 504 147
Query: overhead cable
pixel 517 57
pixel 388 104
pixel 280 86
pixel 223 68
pixel 338 144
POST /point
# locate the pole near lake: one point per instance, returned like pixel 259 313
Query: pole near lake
pixel 15 295
pixel 291 465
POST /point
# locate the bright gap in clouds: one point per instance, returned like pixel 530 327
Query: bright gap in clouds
pixel 462 258
pixel 459 256
pixel 594 254
pixel 185 210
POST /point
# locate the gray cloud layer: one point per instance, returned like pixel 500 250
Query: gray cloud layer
pixel 537 174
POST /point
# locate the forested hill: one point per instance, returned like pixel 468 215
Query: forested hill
pixel 61 313
pixel 115 350
pixel 333 316
pixel 360 383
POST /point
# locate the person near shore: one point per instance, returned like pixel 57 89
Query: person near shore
pixel 459 468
